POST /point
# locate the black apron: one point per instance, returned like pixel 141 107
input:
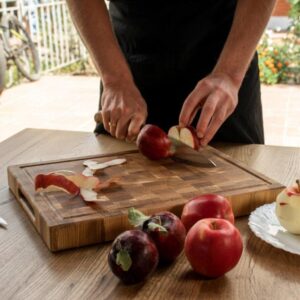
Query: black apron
pixel 170 45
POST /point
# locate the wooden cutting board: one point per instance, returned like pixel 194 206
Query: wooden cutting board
pixel 151 186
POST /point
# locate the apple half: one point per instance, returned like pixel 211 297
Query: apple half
pixel 186 135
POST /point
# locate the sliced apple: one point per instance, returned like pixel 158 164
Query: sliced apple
pixel 186 135
pixel 174 132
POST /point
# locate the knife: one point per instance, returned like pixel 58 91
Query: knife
pixel 183 153
pixel 186 154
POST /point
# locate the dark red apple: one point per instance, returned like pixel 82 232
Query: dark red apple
pixel 133 256
pixel 165 229
pixel 154 143
pixel 206 206
pixel 213 247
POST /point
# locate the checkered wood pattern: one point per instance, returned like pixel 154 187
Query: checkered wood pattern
pixel 147 185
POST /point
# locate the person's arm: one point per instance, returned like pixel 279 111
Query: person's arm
pixel 123 108
pixel 217 93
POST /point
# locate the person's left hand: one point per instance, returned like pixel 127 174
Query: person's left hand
pixel 217 96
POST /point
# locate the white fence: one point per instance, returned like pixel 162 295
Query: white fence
pixel 50 27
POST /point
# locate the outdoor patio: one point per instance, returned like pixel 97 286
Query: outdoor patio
pixel 69 103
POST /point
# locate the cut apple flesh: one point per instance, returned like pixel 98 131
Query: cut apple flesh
pixel 189 137
pixel 174 132
pixel 186 135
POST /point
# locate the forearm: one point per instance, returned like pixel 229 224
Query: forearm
pixel 249 22
pixel 92 21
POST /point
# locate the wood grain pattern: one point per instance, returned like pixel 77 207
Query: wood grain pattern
pixel 66 222
pixel 29 271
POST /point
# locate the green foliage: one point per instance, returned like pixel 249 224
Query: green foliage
pixel 279 62
pixel 295 13
pixel 273 61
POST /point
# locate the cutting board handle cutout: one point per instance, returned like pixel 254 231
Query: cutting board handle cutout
pixel 26 205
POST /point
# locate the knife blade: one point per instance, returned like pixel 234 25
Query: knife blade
pixel 186 154
pixel 183 153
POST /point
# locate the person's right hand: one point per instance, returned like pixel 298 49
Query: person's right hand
pixel 124 110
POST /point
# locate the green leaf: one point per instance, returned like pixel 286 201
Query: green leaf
pixel 124 260
pixel 136 218
pixel 154 226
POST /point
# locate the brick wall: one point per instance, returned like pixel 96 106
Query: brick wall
pixel 282 8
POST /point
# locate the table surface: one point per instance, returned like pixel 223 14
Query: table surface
pixel 29 271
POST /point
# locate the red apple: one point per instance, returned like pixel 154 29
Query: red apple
pixel 206 206
pixel 213 247
pixel 165 229
pixel 186 135
pixel 154 143
pixel 133 256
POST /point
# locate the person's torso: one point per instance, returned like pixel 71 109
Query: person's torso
pixel 177 34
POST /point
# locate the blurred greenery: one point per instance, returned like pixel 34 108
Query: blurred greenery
pixel 279 61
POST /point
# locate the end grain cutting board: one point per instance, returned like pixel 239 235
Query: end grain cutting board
pixel 151 186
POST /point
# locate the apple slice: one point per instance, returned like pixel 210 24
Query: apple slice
pixel 174 132
pixel 186 135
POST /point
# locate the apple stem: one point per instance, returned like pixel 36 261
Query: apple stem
pixel 298 183
pixel 136 218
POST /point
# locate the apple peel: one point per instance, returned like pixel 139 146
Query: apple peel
pixel 55 182
pixel 75 184
pixel 95 166
pixel 87 172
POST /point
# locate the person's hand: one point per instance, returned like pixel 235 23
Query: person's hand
pixel 124 110
pixel 217 96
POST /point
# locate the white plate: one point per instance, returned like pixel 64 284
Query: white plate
pixel 265 225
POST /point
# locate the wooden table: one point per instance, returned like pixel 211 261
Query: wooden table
pixel 29 271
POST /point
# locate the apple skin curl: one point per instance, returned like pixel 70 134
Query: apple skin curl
pixel 48 182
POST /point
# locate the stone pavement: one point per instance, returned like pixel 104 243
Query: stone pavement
pixel 69 103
